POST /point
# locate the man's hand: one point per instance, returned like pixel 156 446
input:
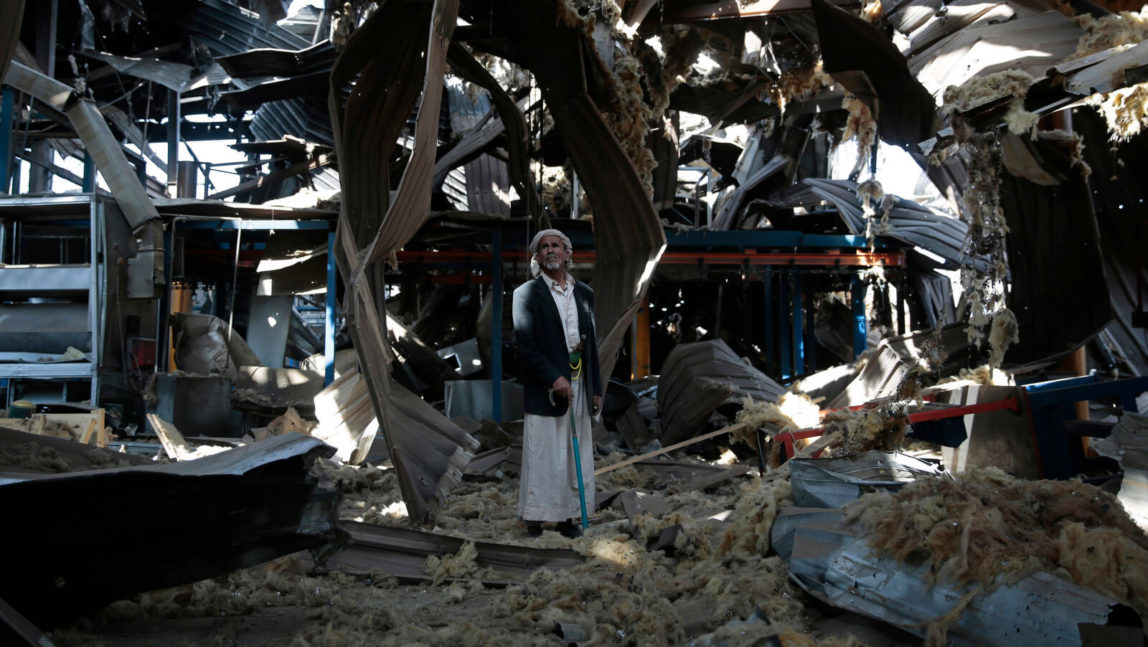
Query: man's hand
pixel 562 387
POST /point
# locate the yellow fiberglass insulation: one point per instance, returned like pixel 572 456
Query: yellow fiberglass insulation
pixel 1125 110
pixel 872 10
pixel 340 609
pixel 983 294
pixel 1117 30
pixel 1003 333
pixel 850 432
pixel 986 526
pixel 792 412
pixel 860 124
pixel 799 84
pixel 982 89
pixel 612 601
pixel 461 564
pixel 754 514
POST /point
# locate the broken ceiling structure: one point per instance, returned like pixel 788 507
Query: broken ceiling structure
pixel 758 190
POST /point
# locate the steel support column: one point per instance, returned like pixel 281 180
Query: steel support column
pixel 7 99
pixel 329 326
pixel 810 333
pixel 798 321
pixel 496 328
pixel 784 340
pixel 770 328
pixel 173 122
pixel 860 328
pixel 89 183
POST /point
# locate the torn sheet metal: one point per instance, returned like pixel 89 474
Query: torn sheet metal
pixel 731 209
pixel 403 553
pixel 493 463
pixel 1107 74
pixel 897 356
pixel 833 482
pixel 184 522
pixel 699 377
pixel 837 566
pixel 174 76
pixel 1067 256
pixel 1128 444
pixel 411 205
pixel 276 388
pixel 430 455
pixel 281 63
pixel 628 236
pixel 11 17
pixel 1116 180
pixel 909 222
pixel 1032 43
pixel 97 137
pixel 346 417
pixel 464 65
pixel 863 60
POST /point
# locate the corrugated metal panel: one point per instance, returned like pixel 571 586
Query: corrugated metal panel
pixel 1055 262
pixel 628 236
pixel 398 56
pixel 1120 197
pixel 11 17
pixel 236 509
pixel 862 59
pixel 699 377
pixel 510 113
pixel 1030 43
pixel 908 222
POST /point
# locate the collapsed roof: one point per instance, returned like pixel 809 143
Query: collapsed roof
pixel 505 107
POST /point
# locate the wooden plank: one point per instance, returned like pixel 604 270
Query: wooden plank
pixel 685 443
pixel 86 438
pixel 173 443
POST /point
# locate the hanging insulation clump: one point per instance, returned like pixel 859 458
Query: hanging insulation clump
pixel 980 90
pixel 1124 29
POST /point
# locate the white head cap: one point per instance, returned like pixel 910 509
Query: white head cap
pixel 534 242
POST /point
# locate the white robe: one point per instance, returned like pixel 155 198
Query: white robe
pixel 548 485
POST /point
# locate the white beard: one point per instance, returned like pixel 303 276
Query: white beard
pixel 552 264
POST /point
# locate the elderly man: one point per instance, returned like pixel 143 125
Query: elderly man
pixel 558 351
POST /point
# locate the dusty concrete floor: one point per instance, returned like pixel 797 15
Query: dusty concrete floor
pixel 623 595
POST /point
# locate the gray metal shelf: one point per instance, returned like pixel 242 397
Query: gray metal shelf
pixel 73 280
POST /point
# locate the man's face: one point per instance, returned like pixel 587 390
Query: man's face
pixel 552 253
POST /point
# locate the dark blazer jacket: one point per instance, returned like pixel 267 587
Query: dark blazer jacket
pixel 541 344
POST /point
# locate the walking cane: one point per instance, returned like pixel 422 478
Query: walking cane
pixel 578 467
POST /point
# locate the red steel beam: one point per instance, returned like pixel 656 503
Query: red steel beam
pixel 749 257
pixel 787 438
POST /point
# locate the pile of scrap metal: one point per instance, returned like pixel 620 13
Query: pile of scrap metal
pixel 604 107
pixel 980 559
